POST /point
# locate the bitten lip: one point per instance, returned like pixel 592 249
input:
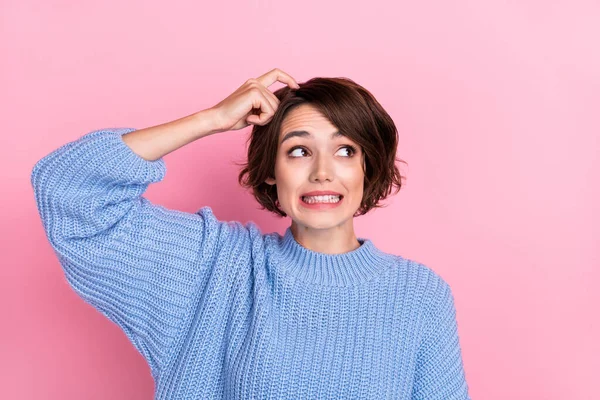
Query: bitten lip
pixel 321 193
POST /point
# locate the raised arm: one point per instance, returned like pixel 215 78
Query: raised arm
pixel 155 142
pixel 138 263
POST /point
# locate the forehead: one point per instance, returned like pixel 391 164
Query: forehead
pixel 306 121
pixel 305 116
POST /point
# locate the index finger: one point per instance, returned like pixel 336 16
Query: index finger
pixel 277 75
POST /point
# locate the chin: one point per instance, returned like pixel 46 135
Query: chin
pixel 320 222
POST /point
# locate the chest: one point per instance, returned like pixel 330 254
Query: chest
pixel 326 344
pixel 293 343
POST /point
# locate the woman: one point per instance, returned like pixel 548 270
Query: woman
pixel 221 310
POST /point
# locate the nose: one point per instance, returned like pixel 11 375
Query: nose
pixel 322 170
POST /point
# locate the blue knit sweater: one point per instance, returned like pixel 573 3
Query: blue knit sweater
pixel 222 311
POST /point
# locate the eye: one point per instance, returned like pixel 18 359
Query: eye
pixel 351 148
pixel 352 151
pixel 294 149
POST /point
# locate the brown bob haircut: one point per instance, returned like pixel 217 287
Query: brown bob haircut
pixel 356 114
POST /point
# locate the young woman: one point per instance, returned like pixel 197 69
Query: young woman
pixel 221 310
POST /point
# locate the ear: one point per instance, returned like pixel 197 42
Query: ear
pixel 270 181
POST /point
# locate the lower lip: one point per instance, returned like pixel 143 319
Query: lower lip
pixel 320 206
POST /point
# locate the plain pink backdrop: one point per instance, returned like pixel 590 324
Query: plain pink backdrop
pixel 497 105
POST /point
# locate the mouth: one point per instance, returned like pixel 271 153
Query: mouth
pixel 321 202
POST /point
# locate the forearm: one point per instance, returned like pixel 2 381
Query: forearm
pixel 157 141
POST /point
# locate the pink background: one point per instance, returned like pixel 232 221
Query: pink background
pixel 497 105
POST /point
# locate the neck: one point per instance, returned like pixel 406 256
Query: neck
pixel 335 240
pixel 343 269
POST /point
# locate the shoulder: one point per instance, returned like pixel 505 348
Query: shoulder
pixel 427 286
pixel 232 234
pixel 420 274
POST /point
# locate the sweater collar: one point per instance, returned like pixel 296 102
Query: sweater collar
pixel 346 269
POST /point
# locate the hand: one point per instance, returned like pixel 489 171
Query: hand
pixel 251 103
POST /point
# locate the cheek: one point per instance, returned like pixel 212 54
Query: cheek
pixel 287 183
pixel 354 176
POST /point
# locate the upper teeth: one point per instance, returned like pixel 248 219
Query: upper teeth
pixel 322 199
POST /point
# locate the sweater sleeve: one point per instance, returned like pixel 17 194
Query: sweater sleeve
pixel 135 262
pixel 439 372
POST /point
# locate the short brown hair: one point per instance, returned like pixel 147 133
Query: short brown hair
pixel 357 115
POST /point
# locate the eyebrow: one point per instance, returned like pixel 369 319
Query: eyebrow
pixel 292 134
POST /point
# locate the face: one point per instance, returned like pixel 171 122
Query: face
pixel 317 161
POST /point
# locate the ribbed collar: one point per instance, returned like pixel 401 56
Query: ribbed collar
pixel 345 269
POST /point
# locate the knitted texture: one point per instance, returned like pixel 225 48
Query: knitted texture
pixel 222 311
